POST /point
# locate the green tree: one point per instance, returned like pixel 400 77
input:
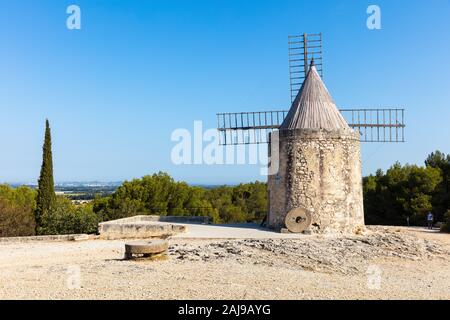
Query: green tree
pixel 46 197
pixel 67 218
pixel 446 226
pixel 17 211
pixel 404 192
pixel 159 194
pixel 441 195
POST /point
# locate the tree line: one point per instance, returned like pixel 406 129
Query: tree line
pixel 405 194
pixel 160 194
pixel 157 194
pixel 400 196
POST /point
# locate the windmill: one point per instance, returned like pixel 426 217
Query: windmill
pixel 317 184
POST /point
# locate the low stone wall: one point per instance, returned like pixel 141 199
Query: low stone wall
pixel 53 238
pixel 140 227
pixel 155 218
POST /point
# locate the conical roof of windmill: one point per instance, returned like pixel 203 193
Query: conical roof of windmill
pixel 314 108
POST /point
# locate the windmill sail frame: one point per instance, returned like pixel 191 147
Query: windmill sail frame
pixel 302 49
pixel 374 125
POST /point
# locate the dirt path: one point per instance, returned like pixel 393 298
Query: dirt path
pixel 387 263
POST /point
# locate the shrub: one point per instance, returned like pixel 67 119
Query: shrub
pixel 17 211
pixel 67 218
pixel 446 226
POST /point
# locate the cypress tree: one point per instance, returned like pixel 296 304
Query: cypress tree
pixel 46 189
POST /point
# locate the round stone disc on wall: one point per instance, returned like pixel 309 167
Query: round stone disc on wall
pixel 298 220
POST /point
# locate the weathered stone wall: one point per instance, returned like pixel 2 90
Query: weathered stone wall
pixel 321 171
pixel 140 227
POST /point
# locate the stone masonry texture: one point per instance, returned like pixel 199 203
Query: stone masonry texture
pixel 319 170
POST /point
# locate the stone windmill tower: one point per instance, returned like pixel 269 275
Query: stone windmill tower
pixel 314 180
pixel 319 183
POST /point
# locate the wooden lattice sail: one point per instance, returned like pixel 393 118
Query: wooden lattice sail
pixel 373 124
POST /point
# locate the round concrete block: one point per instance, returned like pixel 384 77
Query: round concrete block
pixel 298 220
pixel 146 248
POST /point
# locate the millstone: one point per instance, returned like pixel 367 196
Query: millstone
pixel 298 220
pixel 146 248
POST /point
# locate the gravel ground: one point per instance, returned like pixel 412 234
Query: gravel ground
pixel 383 263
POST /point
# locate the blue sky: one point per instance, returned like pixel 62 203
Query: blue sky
pixel 115 90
